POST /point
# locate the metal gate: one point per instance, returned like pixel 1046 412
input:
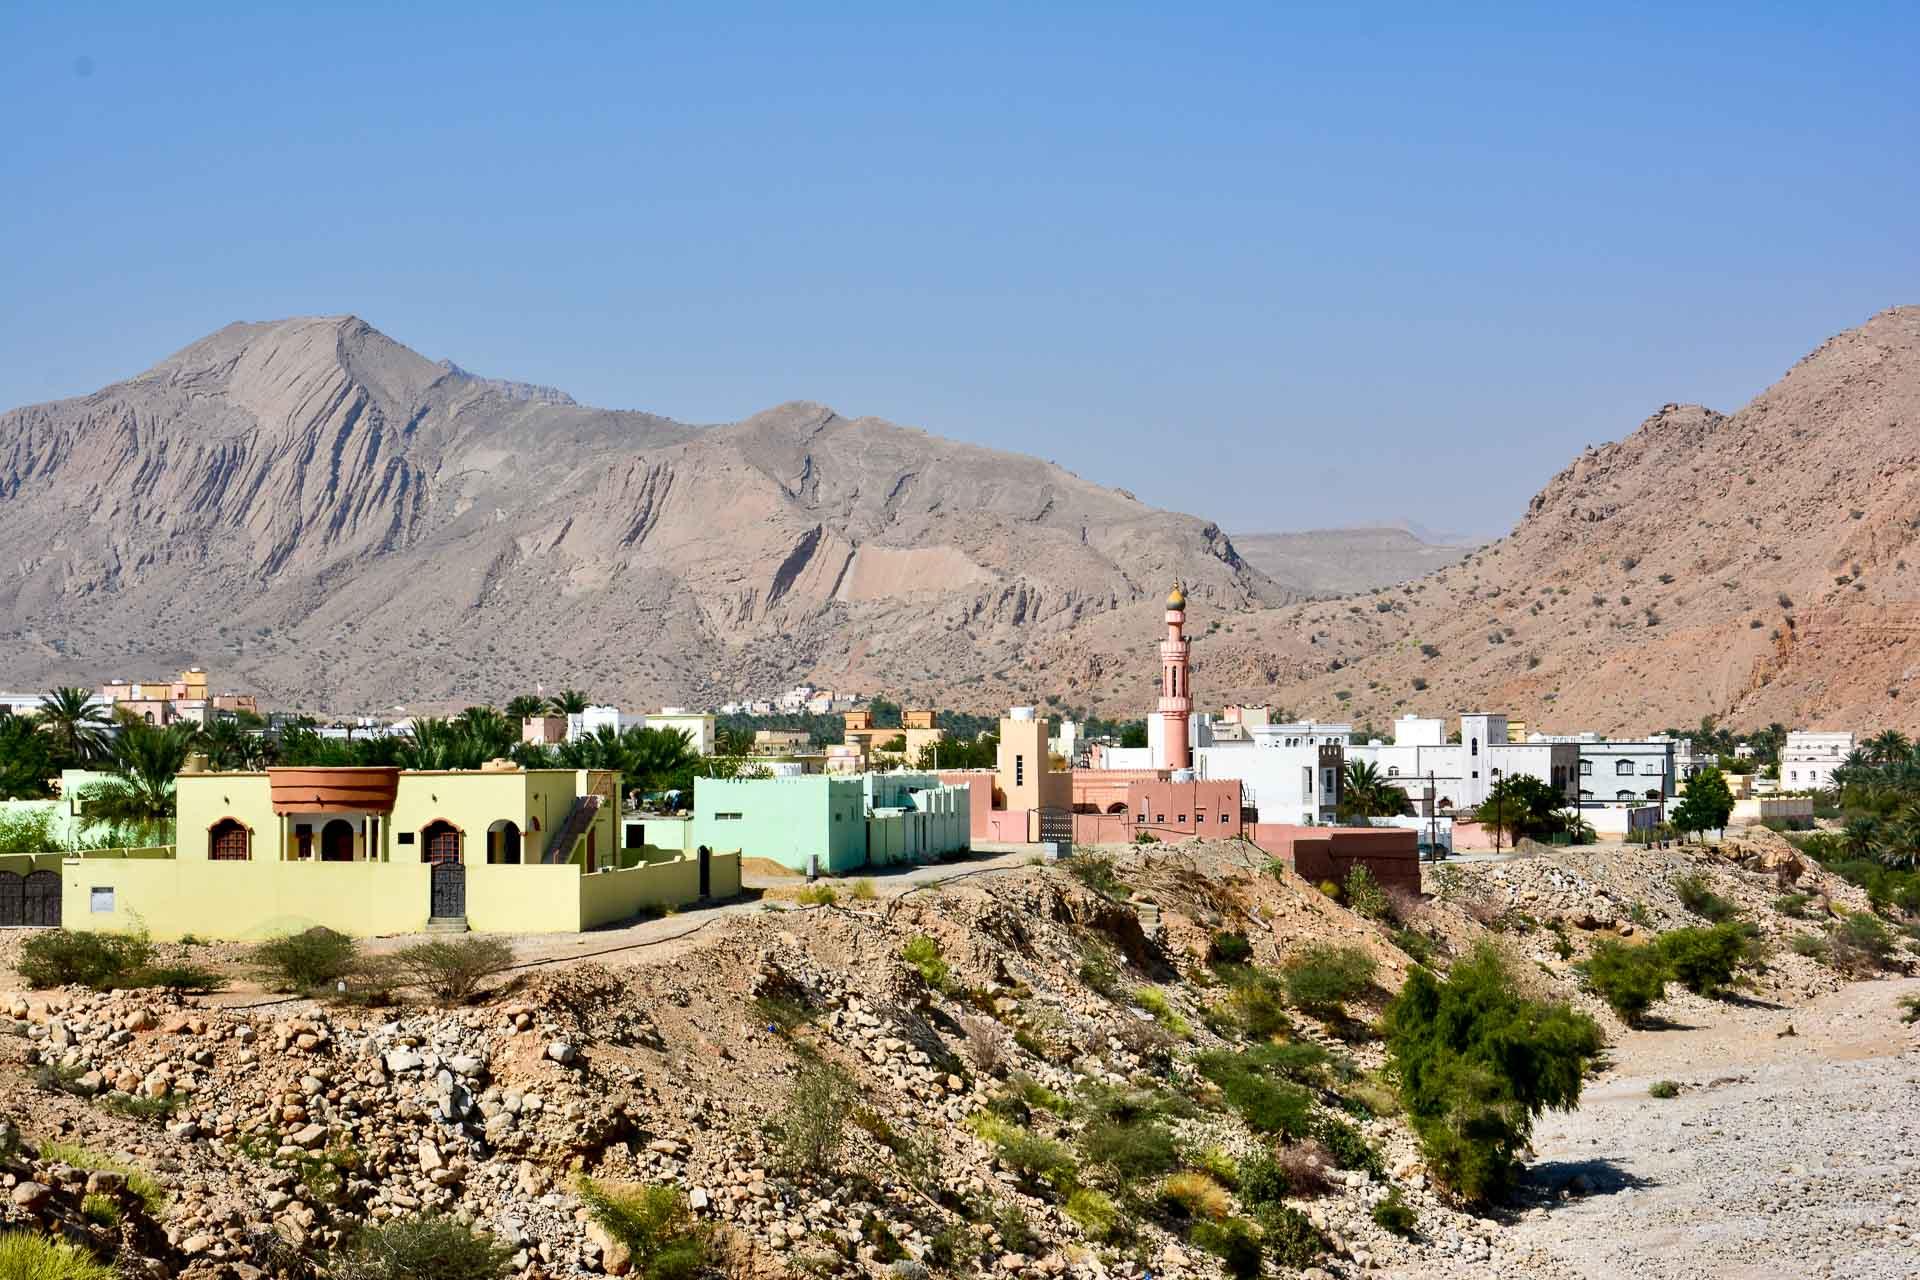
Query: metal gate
pixel 1056 827
pixel 706 871
pixel 13 899
pixel 42 900
pixel 449 891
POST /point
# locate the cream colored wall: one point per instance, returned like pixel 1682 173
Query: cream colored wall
pixel 246 900
pixel 471 801
pixel 523 899
pixel 608 896
pixel 723 875
pixel 202 799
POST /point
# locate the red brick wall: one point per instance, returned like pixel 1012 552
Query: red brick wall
pixel 1329 853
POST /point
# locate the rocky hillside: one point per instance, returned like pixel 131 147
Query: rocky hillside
pixel 1005 1040
pixel 1338 561
pixel 320 513
pixel 1759 566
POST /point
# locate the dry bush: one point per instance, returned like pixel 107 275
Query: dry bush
pixel 1308 1168
pixel 1195 1195
pixel 986 1045
pixel 1405 908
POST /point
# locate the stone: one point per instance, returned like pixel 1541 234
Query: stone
pixel 399 1062
pixel 140 1020
pixel 561 1052
pixel 467 1065
pixel 194 1245
pixel 430 1158
pixel 106 1182
pixel 310 1136
pixel 615 1258
pixel 32 1196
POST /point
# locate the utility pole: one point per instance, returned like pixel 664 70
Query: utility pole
pixel 1499 810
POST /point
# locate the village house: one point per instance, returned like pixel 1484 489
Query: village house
pixel 370 850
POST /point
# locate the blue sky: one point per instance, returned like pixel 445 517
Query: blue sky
pixel 1284 267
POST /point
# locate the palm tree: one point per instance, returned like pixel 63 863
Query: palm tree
pixel 525 707
pixel 139 793
pixel 1887 747
pixel 568 702
pixel 1366 793
pixel 76 722
pixel 493 734
pixel 26 760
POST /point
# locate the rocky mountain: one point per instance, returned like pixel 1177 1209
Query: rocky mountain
pixel 1335 561
pixel 1758 566
pixel 321 514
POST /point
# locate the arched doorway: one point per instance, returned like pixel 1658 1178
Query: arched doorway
pixel 13 899
pixel 1118 808
pixel 42 905
pixel 503 842
pixel 440 848
pixel 336 841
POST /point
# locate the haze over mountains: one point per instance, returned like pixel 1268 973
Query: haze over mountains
pixel 330 518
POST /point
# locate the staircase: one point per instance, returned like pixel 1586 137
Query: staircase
pixel 560 848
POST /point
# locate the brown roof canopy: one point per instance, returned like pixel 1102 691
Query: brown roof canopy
pixel 352 789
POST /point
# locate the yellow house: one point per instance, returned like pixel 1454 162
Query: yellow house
pixel 368 850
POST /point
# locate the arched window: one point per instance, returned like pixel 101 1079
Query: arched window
pixel 1624 795
pixel 228 841
pixel 1624 768
pixel 1119 807
pixel 440 843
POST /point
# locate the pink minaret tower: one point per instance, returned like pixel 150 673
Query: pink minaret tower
pixel 1176 700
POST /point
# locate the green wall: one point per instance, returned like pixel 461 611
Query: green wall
pixel 785 820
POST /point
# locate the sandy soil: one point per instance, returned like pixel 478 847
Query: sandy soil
pixel 1783 1156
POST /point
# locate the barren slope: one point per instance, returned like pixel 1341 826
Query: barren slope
pixel 327 516
pixel 1334 561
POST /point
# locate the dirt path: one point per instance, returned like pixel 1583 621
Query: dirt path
pixel 1783 1156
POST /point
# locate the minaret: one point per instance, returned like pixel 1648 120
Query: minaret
pixel 1176 700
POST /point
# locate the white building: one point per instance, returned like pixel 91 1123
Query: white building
pixel 1288 773
pixel 1637 772
pixel 1810 756
pixel 28 704
pixel 697 725
pixel 1462 774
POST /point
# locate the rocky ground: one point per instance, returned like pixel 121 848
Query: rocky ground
pixel 291 1122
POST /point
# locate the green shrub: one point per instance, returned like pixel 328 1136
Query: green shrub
pixel 1131 1150
pixel 1290 1236
pixel 817 894
pixel 1097 873
pixel 1629 979
pixel 654 1222
pixel 1663 1089
pixel 1793 904
pixel 1266 1105
pixel 1226 948
pixel 25 1256
pixel 1257 1004
pixel 1696 897
pixel 1364 895
pixel 1418 946
pixel 1016 1233
pixel 1322 978
pixel 813 1124
pixel 1477 1062
pixel 135 1107
pixel 1910 1006
pixel 139 1181
pixel 862 890
pixel 1154 1001
pixel 1810 945
pixel 1261 1181
pixel 1234 1242
pixel 1396 1216
pixel 453 970
pixel 1860 943
pixel 422 1248
pixel 923 955
pixel 1097 972
pixel 59 958
pixel 1348 1146
pixel 1704 960
pixel 1035 1160
pixel 101 1211
pixel 1095 1213
pixel 305 961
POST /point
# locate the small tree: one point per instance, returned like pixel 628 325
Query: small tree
pixel 814 1121
pixel 654 1223
pixel 1629 979
pixel 1707 804
pixel 1322 978
pixel 1477 1062
pixel 452 970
